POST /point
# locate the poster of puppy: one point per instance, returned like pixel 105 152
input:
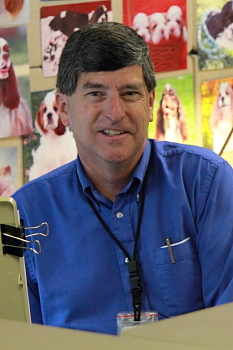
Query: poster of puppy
pixel 59 22
pixel 14 12
pixel 8 171
pixel 174 113
pixel 51 144
pixel 215 34
pixel 217 114
pixel 163 25
pixel 15 113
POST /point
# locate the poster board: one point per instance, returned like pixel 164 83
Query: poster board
pixel 14 303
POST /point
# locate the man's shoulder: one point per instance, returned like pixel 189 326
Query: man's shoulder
pixel 63 173
pixel 172 149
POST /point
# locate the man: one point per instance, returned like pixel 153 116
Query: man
pixel 135 224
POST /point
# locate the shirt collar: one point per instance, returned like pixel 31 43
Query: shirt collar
pixel 138 174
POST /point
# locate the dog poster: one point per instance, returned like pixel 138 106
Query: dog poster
pixel 217 114
pixel 14 12
pixel 15 113
pixel 51 144
pixel 8 171
pixel 59 22
pixel 163 25
pixel 215 34
pixel 174 113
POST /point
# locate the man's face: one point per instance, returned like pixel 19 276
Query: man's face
pixel 109 114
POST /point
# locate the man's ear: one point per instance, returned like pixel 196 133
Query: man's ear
pixel 61 101
pixel 151 104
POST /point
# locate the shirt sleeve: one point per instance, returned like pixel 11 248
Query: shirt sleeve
pixel 33 295
pixel 215 238
pixel 35 308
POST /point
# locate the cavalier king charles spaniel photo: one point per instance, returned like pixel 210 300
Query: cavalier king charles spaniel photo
pixel 221 119
pixel 14 12
pixel 11 7
pixel 158 25
pixel 171 123
pixel 56 145
pixel 220 25
pixel 55 31
pixel 15 116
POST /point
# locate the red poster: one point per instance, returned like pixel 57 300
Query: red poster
pixel 163 25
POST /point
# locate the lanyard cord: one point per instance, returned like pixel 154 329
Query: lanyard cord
pixel 133 264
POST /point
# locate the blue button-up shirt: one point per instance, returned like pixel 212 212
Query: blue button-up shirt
pixel 81 280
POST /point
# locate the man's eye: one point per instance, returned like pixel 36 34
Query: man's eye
pixel 94 93
pixel 131 93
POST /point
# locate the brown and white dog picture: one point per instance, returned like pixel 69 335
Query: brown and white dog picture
pixel 56 142
pixel 171 124
pixel 221 118
pixel 14 12
pixel 220 25
pixel 56 28
pixel 15 115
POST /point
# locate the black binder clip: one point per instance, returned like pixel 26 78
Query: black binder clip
pixel 15 241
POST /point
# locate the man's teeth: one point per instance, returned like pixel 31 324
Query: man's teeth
pixel 112 132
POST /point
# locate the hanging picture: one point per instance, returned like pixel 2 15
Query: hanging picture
pixel 217 112
pixel 215 34
pixel 8 171
pixel 51 144
pixel 14 12
pixel 174 113
pixel 15 113
pixel 163 25
pixel 59 22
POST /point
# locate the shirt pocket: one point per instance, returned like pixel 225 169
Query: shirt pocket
pixel 180 282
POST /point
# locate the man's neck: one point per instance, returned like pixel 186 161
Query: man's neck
pixel 109 180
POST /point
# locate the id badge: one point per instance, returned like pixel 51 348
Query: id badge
pixel 125 320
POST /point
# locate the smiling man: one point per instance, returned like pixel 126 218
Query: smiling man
pixel 109 114
pixel 135 224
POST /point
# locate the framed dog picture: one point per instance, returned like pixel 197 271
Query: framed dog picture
pixel 14 12
pixel 215 34
pixel 163 25
pixel 15 112
pixel 8 171
pixel 174 114
pixel 217 111
pixel 59 22
pixel 51 144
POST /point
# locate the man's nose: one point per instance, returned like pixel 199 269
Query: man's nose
pixel 114 108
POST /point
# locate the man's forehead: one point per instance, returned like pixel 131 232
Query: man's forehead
pixel 128 77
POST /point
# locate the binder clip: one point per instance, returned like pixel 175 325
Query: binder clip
pixel 15 241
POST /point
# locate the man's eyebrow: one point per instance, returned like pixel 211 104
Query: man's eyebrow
pixel 133 86
pixel 95 85
pixel 92 85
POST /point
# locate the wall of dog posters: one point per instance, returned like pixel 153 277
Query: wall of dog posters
pixel 60 21
pixel 214 34
pixel 217 112
pixel 163 25
pixel 174 112
pixel 191 71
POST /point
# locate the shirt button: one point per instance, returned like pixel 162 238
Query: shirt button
pixel 119 215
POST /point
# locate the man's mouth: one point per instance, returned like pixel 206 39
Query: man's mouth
pixel 111 132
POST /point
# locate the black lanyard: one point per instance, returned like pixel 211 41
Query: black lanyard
pixel 133 263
